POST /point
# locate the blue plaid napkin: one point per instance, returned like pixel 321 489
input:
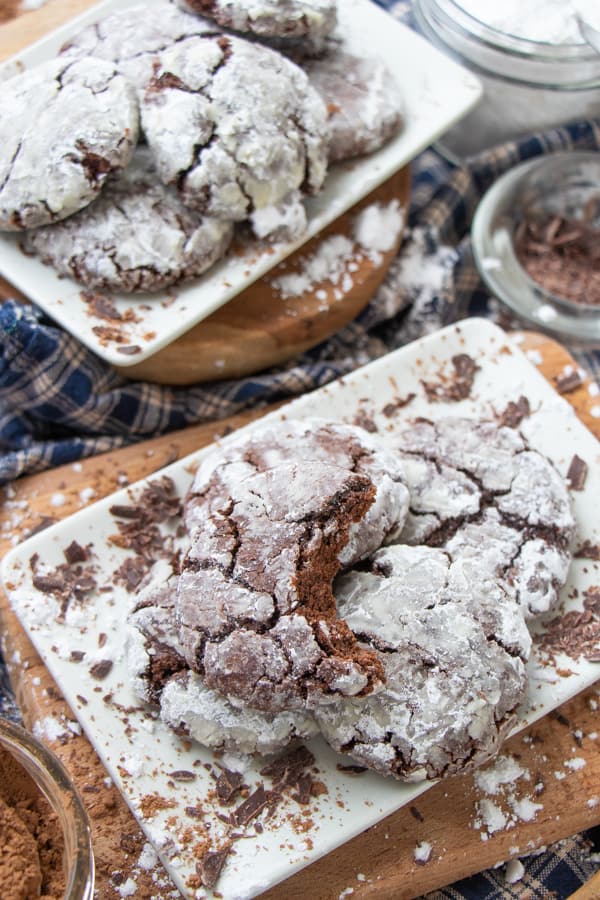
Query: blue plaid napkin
pixel 60 403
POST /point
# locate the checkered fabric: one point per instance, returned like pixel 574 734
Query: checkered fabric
pixel 59 402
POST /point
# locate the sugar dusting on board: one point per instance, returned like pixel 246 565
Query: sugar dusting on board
pixel 376 229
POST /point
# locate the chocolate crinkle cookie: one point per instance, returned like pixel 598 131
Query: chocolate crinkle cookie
pixel 364 102
pixel 234 126
pixel 137 236
pixel 272 517
pixel 132 38
pixel 453 648
pixel 162 678
pixel 313 19
pixel 478 491
pixel 66 126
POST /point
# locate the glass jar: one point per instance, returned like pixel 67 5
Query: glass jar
pixel 51 778
pixel 528 85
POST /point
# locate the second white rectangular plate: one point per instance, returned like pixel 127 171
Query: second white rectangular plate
pixel 437 93
pixel 141 754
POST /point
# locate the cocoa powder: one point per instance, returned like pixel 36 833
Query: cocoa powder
pixel 31 839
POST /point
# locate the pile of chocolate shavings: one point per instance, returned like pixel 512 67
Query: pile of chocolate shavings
pixel 562 255
pixel 139 530
pixel 71 580
pixel 290 776
pixel 456 386
pixel 577 634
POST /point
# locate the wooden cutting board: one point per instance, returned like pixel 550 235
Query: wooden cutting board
pixel 379 863
pixel 258 328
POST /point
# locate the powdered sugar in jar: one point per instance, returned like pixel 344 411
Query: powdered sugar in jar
pixel 536 69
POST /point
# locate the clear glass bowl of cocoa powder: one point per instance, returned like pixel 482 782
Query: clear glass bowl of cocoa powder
pixel 536 242
pixel 45 842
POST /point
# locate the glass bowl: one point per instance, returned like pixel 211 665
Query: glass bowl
pixel 51 778
pixel 561 184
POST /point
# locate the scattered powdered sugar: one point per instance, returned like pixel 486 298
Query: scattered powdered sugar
pixel 501 780
pixel 58 500
pixel 128 888
pixel 376 228
pixel 514 871
pixel 546 313
pixel 148 858
pixel 422 852
pixel 593 802
pixel 347 892
pixel 575 764
pixel 87 494
pixel 421 271
pixel 595 412
pixel 50 729
pixel 535 357
pixel 506 770
pixel 593 389
pixel 328 263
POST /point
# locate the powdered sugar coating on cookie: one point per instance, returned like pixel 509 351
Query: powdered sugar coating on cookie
pixel 364 102
pixel 160 677
pixel 235 126
pixel 67 125
pixel 452 686
pixel 313 19
pixel 478 491
pixel 132 38
pixel 137 236
pixel 272 517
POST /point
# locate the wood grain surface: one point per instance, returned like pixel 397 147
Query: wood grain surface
pixel 383 856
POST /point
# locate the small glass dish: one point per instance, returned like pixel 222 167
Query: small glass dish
pixel 52 780
pixel 561 185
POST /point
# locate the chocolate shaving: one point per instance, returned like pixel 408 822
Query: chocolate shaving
pixel 364 420
pixel 66 582
pixel 515 412
pixel 75 553
pixel 351 770
pixel 100 669
pixel 286 770
pixel 587 550
pixel 566 383
pixel 416 814
pixel 228 785
pixel 182 775
pixel 391 408
pixel 577 473
pixel 209 868
pixel 455 387
pixel 129 350
pixel 251 807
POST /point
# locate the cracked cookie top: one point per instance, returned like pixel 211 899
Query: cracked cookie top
pixel 453 650
pixel 272 517
pixel 137 236
pixel 313 19
pixel 364 103
pixel 161 677
pixel 132 38
pixel 234 126
pixel 480 492
pixel 67 126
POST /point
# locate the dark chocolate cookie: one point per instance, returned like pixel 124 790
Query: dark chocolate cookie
pixel 312 19
pixel 132 38
pixel 453 647
pixel 272 517
pixel 235 127
pixel 161 677
pixel 364 102
pixel 137 236
pixel 477 490
pixel 66 126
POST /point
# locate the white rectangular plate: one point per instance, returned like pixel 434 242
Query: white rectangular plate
pixel 437 93
pixel 131 742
